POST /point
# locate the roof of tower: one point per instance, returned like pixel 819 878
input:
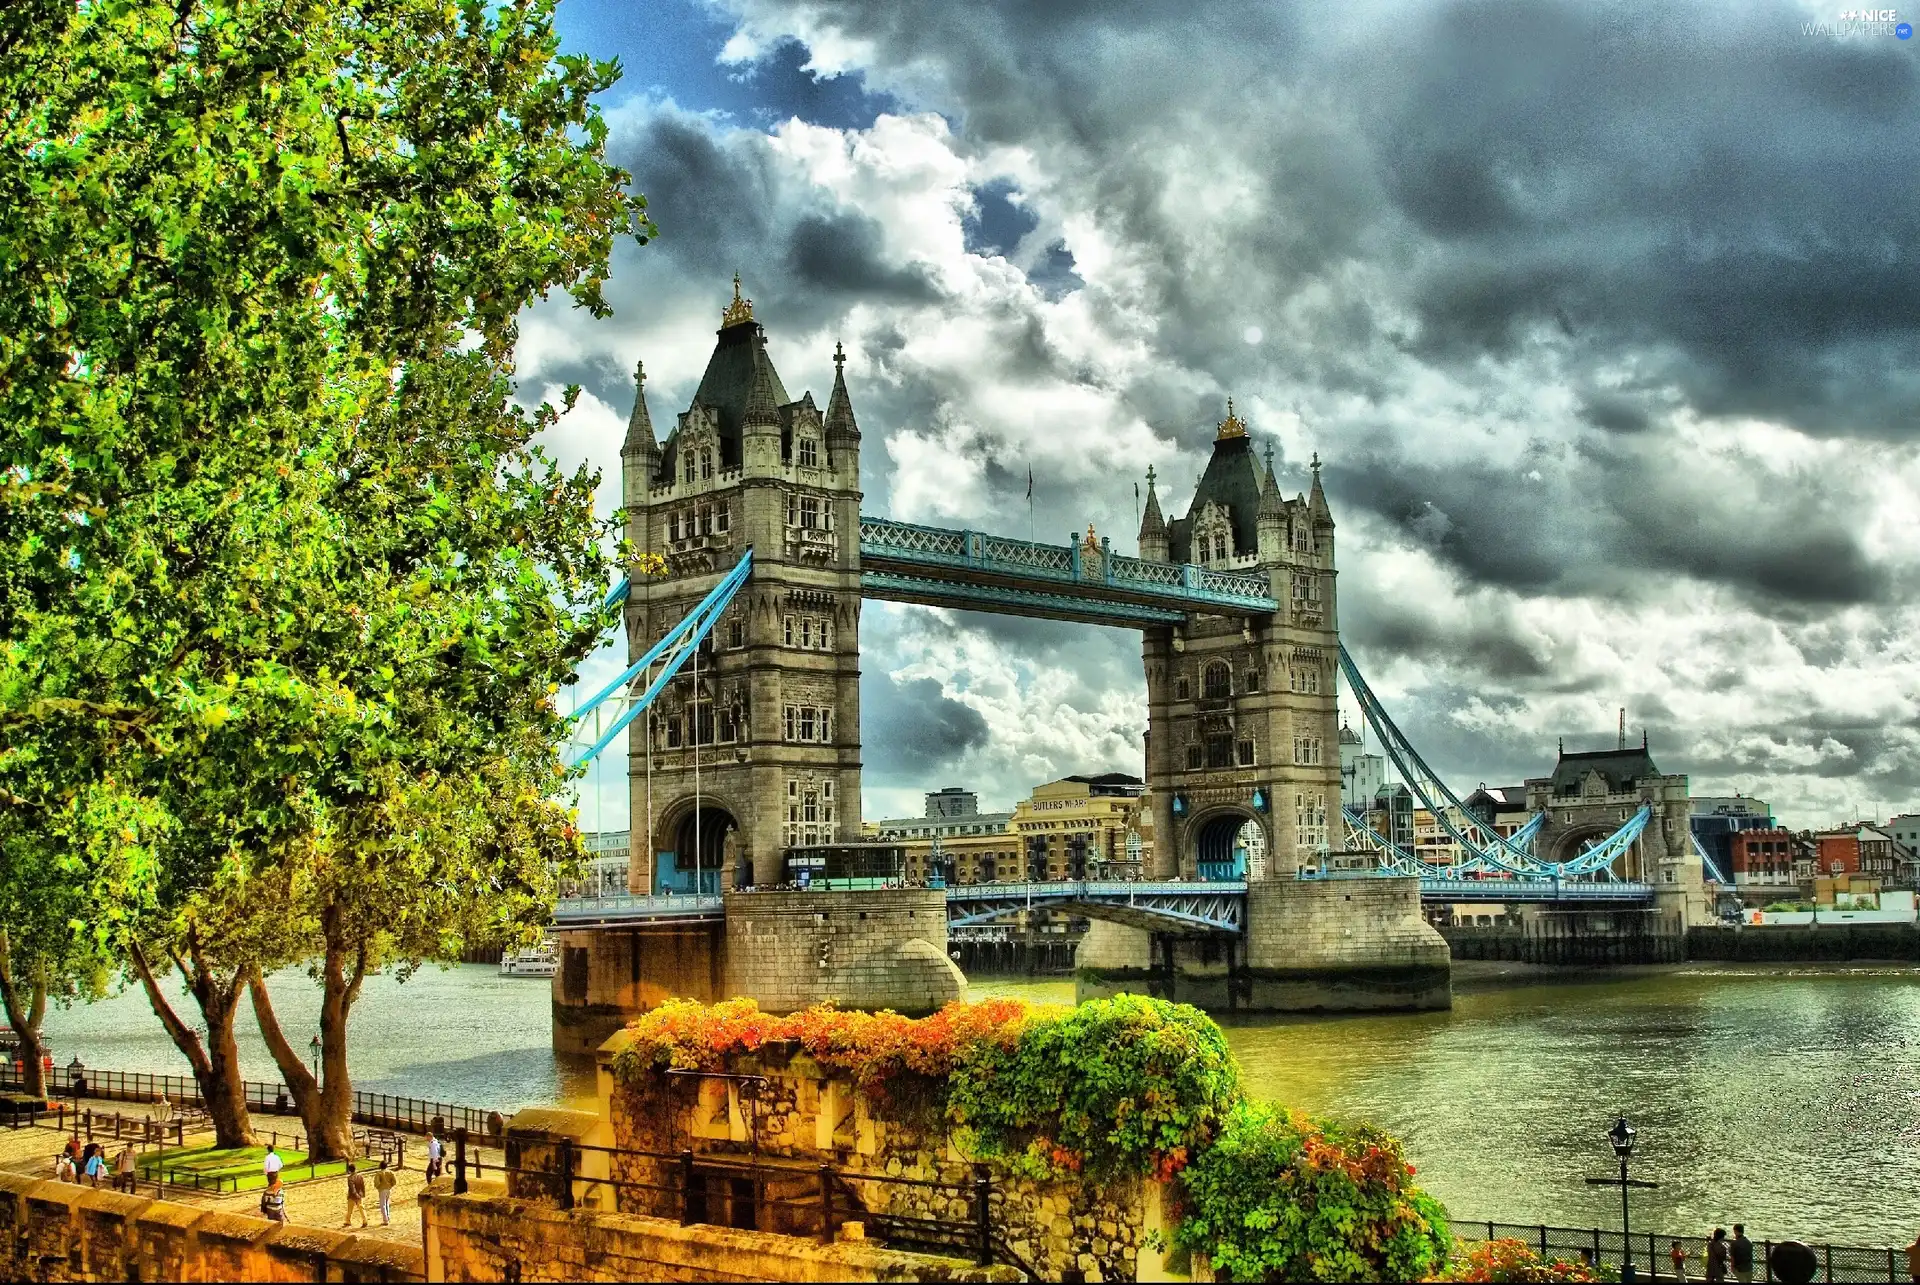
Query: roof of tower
pixel 640 438
pixel 738 373
pixel 1317 498
pixel 1618 768
pixel 1232 481
pixel 839 405
pixel 1348 736
pixel 1151 522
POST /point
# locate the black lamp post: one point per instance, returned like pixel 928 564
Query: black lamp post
pixel 1621 1136
pixel 313 1051
pixel 76 1078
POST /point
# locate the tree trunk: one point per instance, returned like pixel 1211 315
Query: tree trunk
pixel 216 1064
pixel 25 1022
pixel 325 1104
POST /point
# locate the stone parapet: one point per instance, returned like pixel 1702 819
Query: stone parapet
pixel 58 1231
pixel 488 1236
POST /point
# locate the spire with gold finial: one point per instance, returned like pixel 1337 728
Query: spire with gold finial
pixel 1231 425
pixel 739 311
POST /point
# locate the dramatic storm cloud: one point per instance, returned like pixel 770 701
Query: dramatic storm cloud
pixel 1604 317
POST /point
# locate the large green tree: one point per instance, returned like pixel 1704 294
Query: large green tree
pixel 264 474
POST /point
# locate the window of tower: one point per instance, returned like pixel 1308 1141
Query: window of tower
pixel 687 472
pixel 1182 689
pixel 1219 751
pixel 789 631
pixel 706 464
pixel 1219 548
pixel 720 519
pixel 809 453
pixel 736 633
pixel 1253 680
pixel 1218 681
pixel 809 513
pixel 1246 753
pixel 1193 758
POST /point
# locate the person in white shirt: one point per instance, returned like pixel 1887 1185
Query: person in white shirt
pixel 271 1165
pixel 434 1152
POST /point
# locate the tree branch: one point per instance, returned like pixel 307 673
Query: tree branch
pixel 185 1038
pixel 292 1070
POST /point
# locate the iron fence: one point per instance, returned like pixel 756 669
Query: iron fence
pixel 748 1191
pixel 381 1110
pixel 1652 1251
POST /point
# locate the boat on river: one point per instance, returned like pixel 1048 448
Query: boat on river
pixel 542 961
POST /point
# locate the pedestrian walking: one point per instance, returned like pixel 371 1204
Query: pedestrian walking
pixel 434 1151
pixel 1740 1250
pixel 93 1164
pixel 123 1170
pixel 273 1201
pixel 69 1169
pixel 356 1196
pixel 63 1170
pixel 1717 1256
pixel 1678 1257
pixel 383 1184
pixel 271 1164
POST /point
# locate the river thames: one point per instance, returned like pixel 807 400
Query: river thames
pixel 1786 1099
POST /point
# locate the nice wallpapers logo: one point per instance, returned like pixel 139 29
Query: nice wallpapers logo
pixel 1862 22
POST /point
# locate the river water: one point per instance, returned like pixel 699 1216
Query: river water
pixel 1786 1099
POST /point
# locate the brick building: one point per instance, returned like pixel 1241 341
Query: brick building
pixel 1762 865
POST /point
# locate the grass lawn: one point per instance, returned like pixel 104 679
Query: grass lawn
pixel 234 1168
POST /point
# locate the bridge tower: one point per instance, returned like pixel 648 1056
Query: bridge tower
pixel 1242 723
pixel 1242 727
pixel 760 750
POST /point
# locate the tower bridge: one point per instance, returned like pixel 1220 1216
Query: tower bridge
pixel 743 700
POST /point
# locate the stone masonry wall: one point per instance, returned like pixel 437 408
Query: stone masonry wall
pixel 870 950
pixel 608 976
pixel 59 1231
pixel 486 1235
pixel 1344 943
pixel 805 1118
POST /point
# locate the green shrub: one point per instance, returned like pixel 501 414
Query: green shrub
pixel 1278 1196
pixel 1114 1087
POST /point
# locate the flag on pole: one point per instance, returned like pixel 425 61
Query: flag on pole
pixel 1029 481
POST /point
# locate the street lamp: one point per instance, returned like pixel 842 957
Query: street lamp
pixel 76 1076
pixel 1621 1136
pixel 313 1051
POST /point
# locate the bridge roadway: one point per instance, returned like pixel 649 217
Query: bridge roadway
pixel 1178 907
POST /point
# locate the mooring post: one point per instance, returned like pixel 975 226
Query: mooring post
pixel 459 1162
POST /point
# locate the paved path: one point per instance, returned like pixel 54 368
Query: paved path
pixel 318 1203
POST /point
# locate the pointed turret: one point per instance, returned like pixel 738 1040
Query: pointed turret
pixel 640 438
pixel 1153 526
pixel 1270 520
pixel 840 421
pixel 1317 499
pixel 764 398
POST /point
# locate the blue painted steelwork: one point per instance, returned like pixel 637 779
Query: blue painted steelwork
pixel 1713 867
pixel 1027 576
pixel 589 912
pixel 671 652
pixel 1487 850
pixel 894 587
pixel 1203 907
pixel 1436 888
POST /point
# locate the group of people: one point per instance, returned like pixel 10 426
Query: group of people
pixel 74 1164
pixel 1726 1256
pixel 273 1201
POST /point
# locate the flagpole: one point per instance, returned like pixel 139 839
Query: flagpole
pixel 1029 504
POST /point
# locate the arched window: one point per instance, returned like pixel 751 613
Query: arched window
pixel 1219 548
pixel 1218 681
pixel 689 467
pixel 706 464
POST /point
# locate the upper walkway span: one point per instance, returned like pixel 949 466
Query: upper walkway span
pixel 1077 581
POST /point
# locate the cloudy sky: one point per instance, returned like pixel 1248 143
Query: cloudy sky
pixel 1605 319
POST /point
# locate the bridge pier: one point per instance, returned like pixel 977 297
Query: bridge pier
pixel 1333 945
pixel 785 950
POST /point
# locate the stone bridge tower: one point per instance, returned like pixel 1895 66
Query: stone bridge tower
pixel 1593 793
pixel 761 749
pixel 1241 718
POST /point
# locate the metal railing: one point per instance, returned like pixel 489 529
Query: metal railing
pixel 382 1110
pixel 746 1191
pixel 1652 1250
